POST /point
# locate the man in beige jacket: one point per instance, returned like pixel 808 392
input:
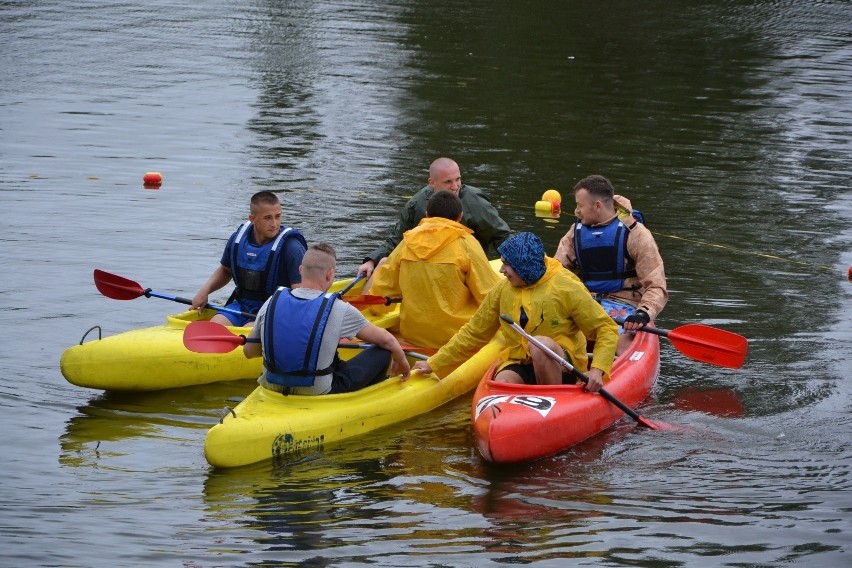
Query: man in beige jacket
pixel 615 256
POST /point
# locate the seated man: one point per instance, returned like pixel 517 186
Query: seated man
pixel 616 259
pixel 299 331
pixel 478 213
pixel 551 304
pixel 260 256
pixel 441 272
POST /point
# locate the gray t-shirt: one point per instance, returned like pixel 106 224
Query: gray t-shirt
pixel 344 321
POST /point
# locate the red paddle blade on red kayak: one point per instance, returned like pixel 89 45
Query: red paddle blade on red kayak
pixel 710 344
pixel 210 337
pixel 117 287
pixel 657 425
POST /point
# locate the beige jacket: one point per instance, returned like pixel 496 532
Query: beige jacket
pixel 646 291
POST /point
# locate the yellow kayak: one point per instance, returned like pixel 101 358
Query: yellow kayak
pixel 155 358
pixel 268 425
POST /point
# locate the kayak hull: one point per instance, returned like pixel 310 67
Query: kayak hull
pixel 519 423
pixel 155 358
pixel 268 425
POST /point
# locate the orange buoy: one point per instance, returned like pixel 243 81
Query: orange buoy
pixel 152 178
pixel 551 195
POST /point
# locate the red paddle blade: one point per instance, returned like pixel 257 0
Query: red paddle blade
pixel 710 344
pixel 210 337
pixel 657 425
pixel 363 301
pixel 117 287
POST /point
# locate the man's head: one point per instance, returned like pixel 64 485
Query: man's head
pixel 444 204
pixel 265 216
pixel 594 198
pixel 444 175
pixel 523 255
pixel 318 265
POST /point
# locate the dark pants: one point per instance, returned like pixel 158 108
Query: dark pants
pixel 527 373
pixel 369 366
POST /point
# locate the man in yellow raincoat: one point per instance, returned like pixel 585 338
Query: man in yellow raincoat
pixel 441 272
pixel 551 304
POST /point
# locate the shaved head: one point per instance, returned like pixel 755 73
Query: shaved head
pixel 444 175
pixel 318 260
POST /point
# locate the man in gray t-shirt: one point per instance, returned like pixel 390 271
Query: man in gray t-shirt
pixel 344 321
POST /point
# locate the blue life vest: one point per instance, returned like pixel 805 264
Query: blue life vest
pixel 602 256
pixel 255 268
pixel 292 337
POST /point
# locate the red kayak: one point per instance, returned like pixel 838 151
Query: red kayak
pixel 517 423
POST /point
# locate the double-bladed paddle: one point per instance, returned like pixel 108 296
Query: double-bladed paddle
pixel 212 337
pixel 120 288
pixel 652 424
pixel 704 343
pixel 362 301
pixel 360 276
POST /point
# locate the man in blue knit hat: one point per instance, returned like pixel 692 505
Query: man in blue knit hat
pixel 551 304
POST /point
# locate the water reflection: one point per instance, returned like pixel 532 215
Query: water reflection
pixel 412 487
pixel 385 484
pixel 117 424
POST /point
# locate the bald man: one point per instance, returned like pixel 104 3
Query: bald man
pixel 478 213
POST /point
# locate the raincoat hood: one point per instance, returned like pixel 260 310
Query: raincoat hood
pixel 432 235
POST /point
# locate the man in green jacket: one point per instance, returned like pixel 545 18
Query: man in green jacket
pixel 479 215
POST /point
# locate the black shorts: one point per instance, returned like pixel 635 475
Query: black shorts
pixel 527 373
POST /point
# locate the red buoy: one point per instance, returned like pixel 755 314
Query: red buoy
pixel 850 274
pixel 152 178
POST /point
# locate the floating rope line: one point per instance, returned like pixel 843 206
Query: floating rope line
pixel 555 218
pixel 765 255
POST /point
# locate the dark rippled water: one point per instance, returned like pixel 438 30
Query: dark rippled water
pixel 727 123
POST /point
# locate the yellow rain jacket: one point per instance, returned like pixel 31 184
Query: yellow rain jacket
pixel 558 306
pixel 442 274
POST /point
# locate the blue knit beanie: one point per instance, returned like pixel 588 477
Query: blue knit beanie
pixel 524 252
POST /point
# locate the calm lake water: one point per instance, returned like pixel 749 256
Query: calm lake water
pixel 727 123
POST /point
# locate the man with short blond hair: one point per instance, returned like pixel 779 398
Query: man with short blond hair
pixel 300 329
pixel 260 256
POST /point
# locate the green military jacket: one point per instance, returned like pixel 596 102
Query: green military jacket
pixel 477 214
